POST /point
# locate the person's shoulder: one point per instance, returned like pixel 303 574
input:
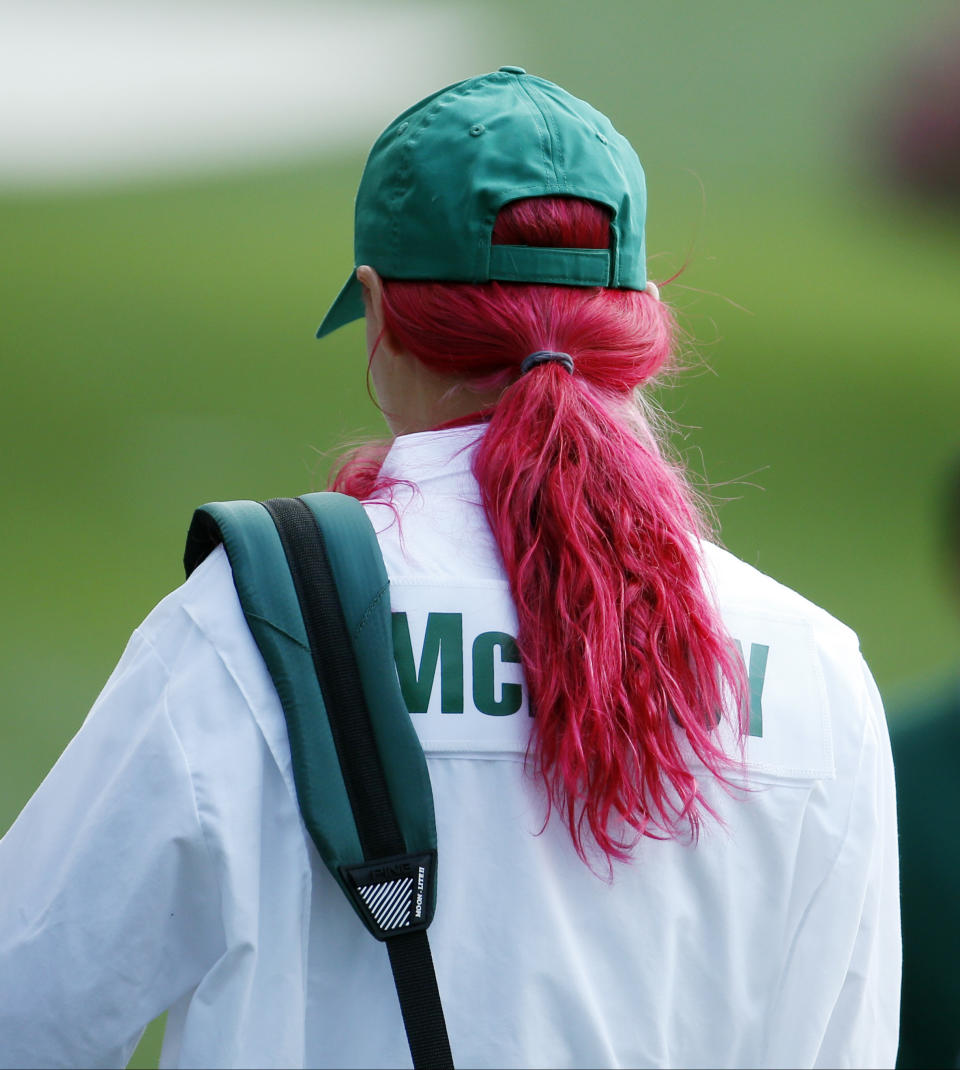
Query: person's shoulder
pixel 201 634
pixel 206 602
pixel 819 700
pixel 743 589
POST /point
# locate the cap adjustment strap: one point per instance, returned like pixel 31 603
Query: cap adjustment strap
pixel 550 265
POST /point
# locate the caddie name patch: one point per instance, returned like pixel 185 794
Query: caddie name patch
pixel 459 669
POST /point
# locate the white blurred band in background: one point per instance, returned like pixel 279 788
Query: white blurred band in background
pixel 100 90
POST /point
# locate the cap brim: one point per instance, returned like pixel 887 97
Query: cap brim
pixel 347 307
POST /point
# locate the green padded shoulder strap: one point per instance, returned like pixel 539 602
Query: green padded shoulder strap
pixel 372 869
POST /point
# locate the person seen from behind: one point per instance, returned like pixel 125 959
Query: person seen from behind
pixel 662 781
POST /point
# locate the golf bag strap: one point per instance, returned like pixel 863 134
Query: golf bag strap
pixel 416 982
pixel 379 832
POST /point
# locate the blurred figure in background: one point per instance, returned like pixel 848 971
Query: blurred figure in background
pixel 918 131
pixel 926 748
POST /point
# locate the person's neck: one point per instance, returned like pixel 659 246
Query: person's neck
pixel 430 401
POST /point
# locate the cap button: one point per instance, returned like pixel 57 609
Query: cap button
pixel 513 70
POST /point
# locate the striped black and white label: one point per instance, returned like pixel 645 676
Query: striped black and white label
pixel 394 894
pixel 390 902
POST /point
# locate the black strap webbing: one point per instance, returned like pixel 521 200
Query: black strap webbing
pixel 419 996
pixel 377 828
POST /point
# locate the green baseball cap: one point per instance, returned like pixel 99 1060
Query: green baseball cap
pixel 438 175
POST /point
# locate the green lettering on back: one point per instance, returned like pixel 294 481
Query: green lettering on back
pixel 443 641
pixel 756 674
pixel 484 683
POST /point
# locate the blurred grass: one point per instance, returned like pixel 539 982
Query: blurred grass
pixel 158 351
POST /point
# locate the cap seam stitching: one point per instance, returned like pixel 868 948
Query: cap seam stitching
pixel 542 128
pixel 429 117
pixel 556 149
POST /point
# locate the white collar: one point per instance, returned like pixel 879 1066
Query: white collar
pixel 428 454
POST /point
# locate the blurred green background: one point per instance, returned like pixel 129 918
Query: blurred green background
pixel 158 352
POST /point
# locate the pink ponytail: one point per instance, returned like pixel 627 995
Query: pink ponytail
pixel 624 654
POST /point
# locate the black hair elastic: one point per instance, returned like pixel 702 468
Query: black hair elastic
pixel 546 356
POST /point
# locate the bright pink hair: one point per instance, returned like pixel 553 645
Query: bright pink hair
pixel 624 654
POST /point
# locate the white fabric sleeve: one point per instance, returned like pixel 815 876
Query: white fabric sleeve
pixel 109 905
pixel 846 955
pixel 865 1025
